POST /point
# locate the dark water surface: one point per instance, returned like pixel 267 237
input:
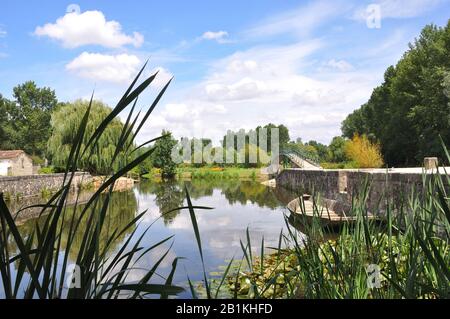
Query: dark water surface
pixel 237 205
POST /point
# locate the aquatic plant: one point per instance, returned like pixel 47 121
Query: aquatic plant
pixel 406 256
pixel 41 271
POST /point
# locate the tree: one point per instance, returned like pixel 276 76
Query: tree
pixel 27 118
pixel 322 150
pixel 65 123
pixel 162 155
pixel 5 125
pixel 283 134
pixel 337 150
pixel 410 109
pixel 364 153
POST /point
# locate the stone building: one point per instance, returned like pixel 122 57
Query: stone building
pixel 15 163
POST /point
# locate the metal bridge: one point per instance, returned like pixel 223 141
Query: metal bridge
pixel 297 158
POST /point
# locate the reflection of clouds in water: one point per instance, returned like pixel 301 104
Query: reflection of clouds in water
pixel 145 263
pixel 147 202
pixel 221 229
pixel 222 221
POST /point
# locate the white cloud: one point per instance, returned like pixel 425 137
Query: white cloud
pixel 340 65
pixel 219 36
pixel 88 28
pixel 244 89
pixel 238 66
pixel 176 112
pixel 399 9
pixel 3 33
pixel 270 84
pixel 119 68
pixel 162 78
pixel 300 21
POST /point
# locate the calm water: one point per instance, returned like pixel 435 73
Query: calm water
pixel 237 205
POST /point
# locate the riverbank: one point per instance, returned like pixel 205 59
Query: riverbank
pixel 18 187
pixel 213 172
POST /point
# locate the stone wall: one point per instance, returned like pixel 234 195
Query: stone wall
pixel 34 185
pixel 343 185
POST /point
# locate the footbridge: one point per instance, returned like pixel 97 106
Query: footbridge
pixel 295 157
pixel 298 159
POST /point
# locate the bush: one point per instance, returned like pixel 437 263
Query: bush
pixel 364 153
pixel 47 170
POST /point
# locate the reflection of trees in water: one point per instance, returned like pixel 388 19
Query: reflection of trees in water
pixel 121 210
pixel 254 192
pixel 170 194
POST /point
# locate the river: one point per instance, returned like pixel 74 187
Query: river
pixel 236 206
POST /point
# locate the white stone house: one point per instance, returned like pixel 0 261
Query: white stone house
pixel 15 163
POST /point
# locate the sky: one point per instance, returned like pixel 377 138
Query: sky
pixel 235 64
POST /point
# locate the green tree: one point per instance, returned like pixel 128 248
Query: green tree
pixel 162 155
pixel 5 125
pixel 27 118
pixel 283 134
pixel 65 122
pixel 337 150
pixel 410 109
pixel 322 150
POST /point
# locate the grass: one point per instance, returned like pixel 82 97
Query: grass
pixel 343 165
pixel 209 172
pixel 215 172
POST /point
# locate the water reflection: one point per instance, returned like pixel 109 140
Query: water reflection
pixel 237 205
pixel 121 211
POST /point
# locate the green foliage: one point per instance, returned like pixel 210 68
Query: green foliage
pixel 217 173
pixel 146 166
pixel 162 155
pixel 321 150
pixel 410 247
pixel 25 121
pixel 410 109
pixel 283 134
pixel 37 160
pixel 307 151
pixel 339 165
pixel 336 150
pixel 64 124
pixel 42 261
pixel 47 170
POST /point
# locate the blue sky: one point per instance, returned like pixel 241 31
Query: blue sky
pixel 236 64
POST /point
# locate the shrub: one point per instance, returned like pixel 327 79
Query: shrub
pixel 47 170
pixel 363 152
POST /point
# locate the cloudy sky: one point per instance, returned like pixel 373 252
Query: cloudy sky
pixel 236 64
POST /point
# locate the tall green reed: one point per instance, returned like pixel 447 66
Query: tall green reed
pixel 410 249
pixel 39 270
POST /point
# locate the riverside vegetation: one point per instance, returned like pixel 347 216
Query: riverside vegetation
pixel 411 248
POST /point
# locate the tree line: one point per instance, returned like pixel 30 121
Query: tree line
pixel 36 122
pixel 399 125
pixel 408 112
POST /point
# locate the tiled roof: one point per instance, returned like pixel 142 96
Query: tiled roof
pixel 10 154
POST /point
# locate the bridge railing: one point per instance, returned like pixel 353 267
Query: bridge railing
pixel 287 150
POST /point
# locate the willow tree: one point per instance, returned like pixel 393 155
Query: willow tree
pixel 65 122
